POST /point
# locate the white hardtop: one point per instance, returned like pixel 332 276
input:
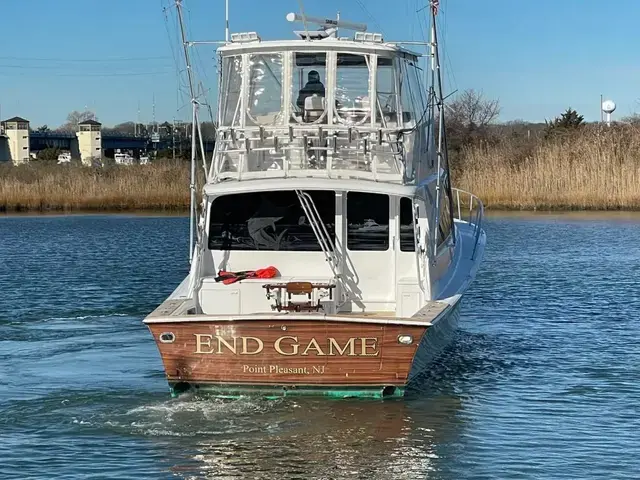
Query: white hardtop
pixel 231 187
pixel 326 44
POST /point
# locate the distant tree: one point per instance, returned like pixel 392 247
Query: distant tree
pixel 471 110
pixel 127 128
pixel 44 129
pixel 48 154
pixel 568 121
pixel 633 119
pixel 74 118
pixel 142 130
pixel 469 118
pixel 208 130
pixel 165 128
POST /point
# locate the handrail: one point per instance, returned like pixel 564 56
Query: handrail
pixel 320 230
pixel 475 216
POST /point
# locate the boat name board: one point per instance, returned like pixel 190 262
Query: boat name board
pixel 287 346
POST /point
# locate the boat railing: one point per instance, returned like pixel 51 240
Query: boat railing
pixel 469 208
pixel 313 150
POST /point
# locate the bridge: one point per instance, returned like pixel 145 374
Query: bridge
pixel 111 141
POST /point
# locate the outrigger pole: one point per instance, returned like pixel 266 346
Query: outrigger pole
pixel 194 118
pixel 438 99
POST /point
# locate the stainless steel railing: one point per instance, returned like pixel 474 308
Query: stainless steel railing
pixel 469 208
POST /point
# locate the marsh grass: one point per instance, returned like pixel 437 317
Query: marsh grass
pixel 42 186
pixel 595 168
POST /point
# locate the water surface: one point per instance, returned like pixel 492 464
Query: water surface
pixel 542 381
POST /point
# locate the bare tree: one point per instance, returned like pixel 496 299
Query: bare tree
pixel 469 118
pixel 633 119
pixel 74 118
pixel 472 111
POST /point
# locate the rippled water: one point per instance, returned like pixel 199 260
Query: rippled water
pixel 542 381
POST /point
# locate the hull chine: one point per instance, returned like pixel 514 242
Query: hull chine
pixel 232 391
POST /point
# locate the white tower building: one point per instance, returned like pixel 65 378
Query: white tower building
pixel 17 131
pixel 89 141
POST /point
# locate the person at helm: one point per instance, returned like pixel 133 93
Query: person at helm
pixel 313 86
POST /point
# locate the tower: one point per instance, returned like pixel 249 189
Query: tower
pixel 89 141
pixel 17 131
pixel 608 107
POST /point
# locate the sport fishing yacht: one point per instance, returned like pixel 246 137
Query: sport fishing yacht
pixel 330 253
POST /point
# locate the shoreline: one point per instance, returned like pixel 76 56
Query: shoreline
pixel 184 213
pixel 90 212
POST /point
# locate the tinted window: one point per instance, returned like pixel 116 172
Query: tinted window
pixel 407 239
pixel 268 221
pixel 445 220
pixel 367 221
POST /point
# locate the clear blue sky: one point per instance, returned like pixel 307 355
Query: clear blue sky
pixel 537 57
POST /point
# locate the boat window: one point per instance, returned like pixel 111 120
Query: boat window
pixel 231 88
pixel 413 105
pixel 352 88
pixel 445 220
pixel 367 221
pixel 407 237
pixel 268 221
pixel 265 89
pixel 309 86
pixel 387 94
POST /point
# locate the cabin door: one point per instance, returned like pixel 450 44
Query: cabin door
pixel 370 256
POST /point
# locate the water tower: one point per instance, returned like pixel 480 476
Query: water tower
pixel 608 106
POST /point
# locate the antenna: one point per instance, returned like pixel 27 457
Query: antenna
pixel 328 26
pixel 226 20
pixel 304 20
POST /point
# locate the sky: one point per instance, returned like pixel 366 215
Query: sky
pixel 119 57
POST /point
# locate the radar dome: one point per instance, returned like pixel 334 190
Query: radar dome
pixel 608 106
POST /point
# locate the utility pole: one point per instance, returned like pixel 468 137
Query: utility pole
pixel 154 131
pixel 153 111
pixel 135 127
pixel 601 111
pixel 173 137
